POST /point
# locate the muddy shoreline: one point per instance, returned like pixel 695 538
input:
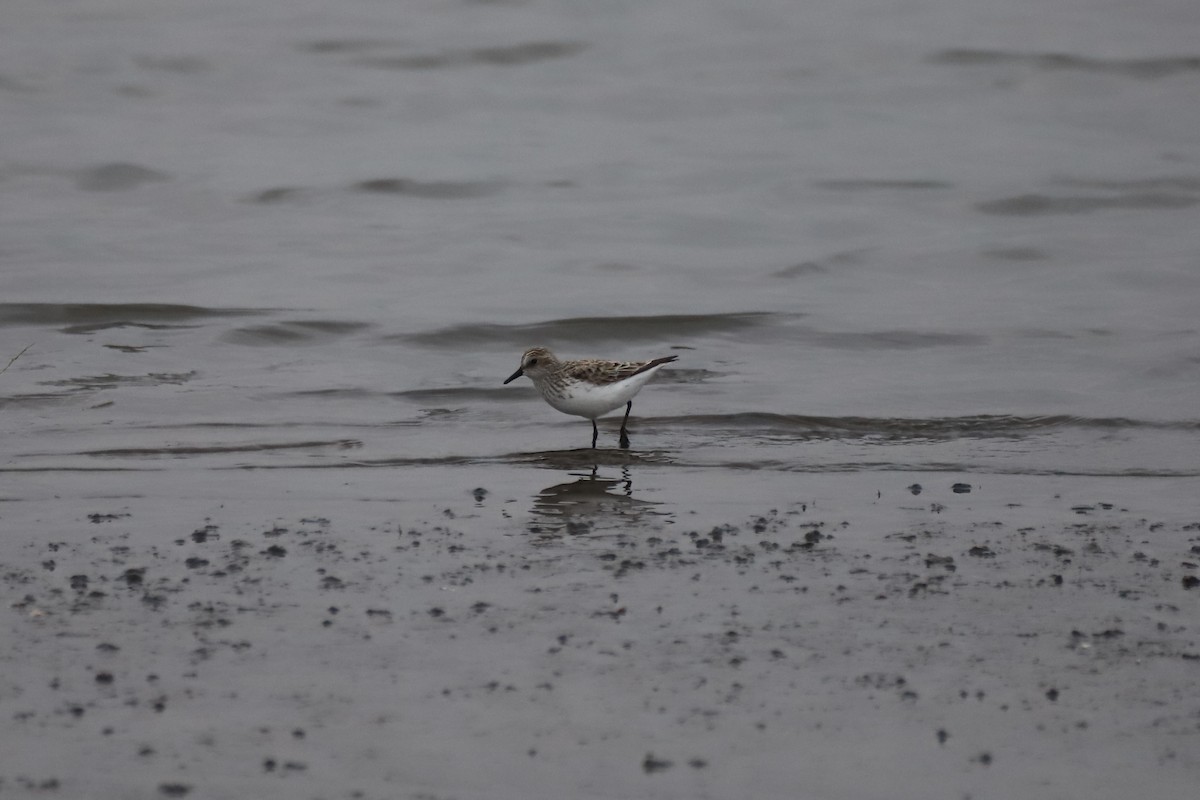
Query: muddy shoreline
pixel 856 641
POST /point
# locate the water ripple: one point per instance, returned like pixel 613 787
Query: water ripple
pixel 211 449
pixel 980 426
pixel 503 56
pixel 1031 205
pixel 91 317
pixel 592 329
pixel 293 332
pixel 1141 68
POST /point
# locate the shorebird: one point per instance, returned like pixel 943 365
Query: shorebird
pixel 587 388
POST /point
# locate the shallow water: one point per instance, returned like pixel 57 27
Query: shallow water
pixel 271 253
pixel 159 387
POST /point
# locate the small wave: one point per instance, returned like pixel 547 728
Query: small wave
pixel 801 269
pixel 1158 183
pixel 400 187
pixel 277 194
pixel 685 376
pixel 35 400
pixel 430 190
pixel 183 65
pixel 463 394
pixel 830 263
pixel 293 332
pixel 982 426
pixel 112 381
pixel 117 177
pixel 585 459
pixel 348 45
pixel 91 317
pixel 888 340
pixel 945 468
pixel 200 450
pixel 878 184
pixel 506 56
pixel 1141 68
pixel 593 329
pixel 1032 205
pixel 338 393
pixel 25 470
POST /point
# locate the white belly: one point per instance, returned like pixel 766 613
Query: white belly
pixel 584 400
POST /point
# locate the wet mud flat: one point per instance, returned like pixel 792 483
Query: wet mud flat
pixel 316 634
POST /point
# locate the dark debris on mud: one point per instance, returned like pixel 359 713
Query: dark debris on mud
pixel 732 611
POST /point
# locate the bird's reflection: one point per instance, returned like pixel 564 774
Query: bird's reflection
pixel 590 501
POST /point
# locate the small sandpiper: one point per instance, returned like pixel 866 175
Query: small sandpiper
pixel 588 388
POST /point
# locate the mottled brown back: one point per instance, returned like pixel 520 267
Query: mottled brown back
pixel 603 373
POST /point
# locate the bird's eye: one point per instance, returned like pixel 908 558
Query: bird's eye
pixel 533 362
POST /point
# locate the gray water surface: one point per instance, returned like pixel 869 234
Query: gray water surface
pixel 876 235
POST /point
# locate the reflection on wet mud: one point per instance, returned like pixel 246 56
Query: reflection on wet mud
pixel 591 500
pixel 585 458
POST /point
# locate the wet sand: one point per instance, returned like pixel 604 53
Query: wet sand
pixel 548 632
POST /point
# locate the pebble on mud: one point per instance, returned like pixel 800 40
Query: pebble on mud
pixel 134 575
pixel 202 535
pixel 650 764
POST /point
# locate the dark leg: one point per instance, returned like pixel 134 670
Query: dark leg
pixel 624 422
pixel 595 433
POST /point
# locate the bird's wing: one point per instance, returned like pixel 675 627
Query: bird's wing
pixel 606 372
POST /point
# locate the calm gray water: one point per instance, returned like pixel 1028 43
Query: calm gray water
pixel 880 236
